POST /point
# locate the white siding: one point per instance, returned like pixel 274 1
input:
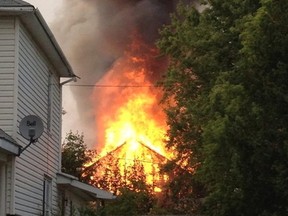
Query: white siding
pixel 9 178
pixel 7 68
pixel 38 94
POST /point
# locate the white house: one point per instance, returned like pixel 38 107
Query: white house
pixel 31 65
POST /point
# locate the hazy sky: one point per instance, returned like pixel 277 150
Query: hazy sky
pixel 48 8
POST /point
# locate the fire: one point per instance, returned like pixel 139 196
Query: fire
pixel 128 111
pixel 135 124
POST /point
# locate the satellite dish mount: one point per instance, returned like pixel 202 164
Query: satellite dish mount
pixel 31 128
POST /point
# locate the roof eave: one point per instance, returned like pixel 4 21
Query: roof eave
pixel 94 193
pixel 9 147
pixel 58 55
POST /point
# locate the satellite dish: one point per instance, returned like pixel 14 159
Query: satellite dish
pixel 31 127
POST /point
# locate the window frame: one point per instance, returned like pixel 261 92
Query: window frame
pixel 2 188
pixel 47 196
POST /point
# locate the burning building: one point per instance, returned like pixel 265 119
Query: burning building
pixel 111 45
pixel 129 114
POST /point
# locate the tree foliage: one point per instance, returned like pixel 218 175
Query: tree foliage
pixel 108 175
pixel 134 195
pixel 226 97
pixel 75 155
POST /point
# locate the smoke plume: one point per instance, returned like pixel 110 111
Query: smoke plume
pixel 94 34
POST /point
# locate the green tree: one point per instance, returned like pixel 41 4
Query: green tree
pixel 75 155
pixel 200 47
pixel 246 136
pixel 226 98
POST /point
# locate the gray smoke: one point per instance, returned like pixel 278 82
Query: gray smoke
pixel 94 33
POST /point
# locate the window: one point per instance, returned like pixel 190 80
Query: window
pixel 47 196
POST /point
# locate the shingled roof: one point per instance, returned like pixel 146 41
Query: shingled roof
pixel 14 3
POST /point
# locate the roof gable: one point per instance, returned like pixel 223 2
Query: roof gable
pixel 36 25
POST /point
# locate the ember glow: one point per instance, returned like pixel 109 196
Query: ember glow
pixel 128 112
pixel 133 124
pixel 127 102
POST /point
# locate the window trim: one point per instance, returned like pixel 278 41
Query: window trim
pixel 2 188
pixel 47 196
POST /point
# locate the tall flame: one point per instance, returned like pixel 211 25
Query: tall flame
pixel 129 112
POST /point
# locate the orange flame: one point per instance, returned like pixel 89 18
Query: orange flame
pixel 129 112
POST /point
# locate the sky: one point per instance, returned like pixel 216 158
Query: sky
pixel 48 8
